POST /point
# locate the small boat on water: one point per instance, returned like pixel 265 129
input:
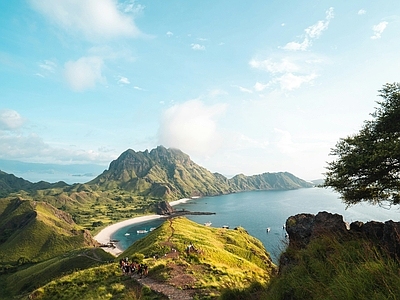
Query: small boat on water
pixel 127 233
pixel 141 231
pixel 225 226
pixel 268 229
pixel 208 224
pixel 152 228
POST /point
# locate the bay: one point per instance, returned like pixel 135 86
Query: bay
pixel 258 210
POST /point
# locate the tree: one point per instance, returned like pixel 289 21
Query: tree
pixel 367 167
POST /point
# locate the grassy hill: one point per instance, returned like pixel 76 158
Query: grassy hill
pixel 26 278
pixel 224 258
pixel 32 231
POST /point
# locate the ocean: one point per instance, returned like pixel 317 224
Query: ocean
pixel 257 211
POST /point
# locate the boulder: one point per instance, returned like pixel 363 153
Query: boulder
pixel 302 228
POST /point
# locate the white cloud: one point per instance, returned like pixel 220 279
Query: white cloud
pixel 295 46
pixel 48 65
pixel 198 47
pixel 282 66
pixel 378 30
pixel 123 80
pixel 290 81
pixel 138 88
pixel 96 19
pixel 131 7
pixel 84 73
pixel 289 73
pixel 10 119
pixel 169 33
pixel 259 87
pixel 32 148
pixel 191 127
pixel 362 12
pixel 245 90
pixel 311 33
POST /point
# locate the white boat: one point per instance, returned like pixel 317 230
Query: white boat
pixel 142 231
pixel 152 228
pixel 208 224
pixel 268 229
pixel 225 226
pixel 127 233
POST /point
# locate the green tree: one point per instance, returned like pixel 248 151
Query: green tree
pixel 367 167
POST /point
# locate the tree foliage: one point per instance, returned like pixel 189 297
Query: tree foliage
pixel 367 167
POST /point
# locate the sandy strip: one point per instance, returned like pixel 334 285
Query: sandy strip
pixel 104 236
pixel 183 200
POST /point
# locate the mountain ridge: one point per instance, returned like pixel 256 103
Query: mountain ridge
pixel 171 174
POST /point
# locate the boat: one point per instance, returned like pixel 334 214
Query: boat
pixel 127 233
pixel 208 224
pixel 142 231
pixel 268 229
pixel 225 226
pixel 152 228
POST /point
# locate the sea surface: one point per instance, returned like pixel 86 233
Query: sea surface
pixel 258 210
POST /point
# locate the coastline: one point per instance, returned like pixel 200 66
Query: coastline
pixel 104 236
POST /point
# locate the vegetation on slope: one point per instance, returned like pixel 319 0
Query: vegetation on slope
pixel 222 258
pixel 333 269
pixel 102 282
pixel 329 268
pixel 10 184
pixel 25 278
pixel 33 231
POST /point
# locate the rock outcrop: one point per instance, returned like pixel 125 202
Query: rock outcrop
pixel 163 208
pixel 302 228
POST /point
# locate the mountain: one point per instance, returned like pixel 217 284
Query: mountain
pixel 269 181
pixel 10 184
pixel 171 174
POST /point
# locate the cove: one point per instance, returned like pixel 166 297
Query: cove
pixel 258 210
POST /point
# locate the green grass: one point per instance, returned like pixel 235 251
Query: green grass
pixel 36 231
pixel 30 276
pixel 102 282
pixel 226 258
pixel 330 269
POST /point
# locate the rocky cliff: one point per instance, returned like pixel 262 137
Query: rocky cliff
pixel 303 228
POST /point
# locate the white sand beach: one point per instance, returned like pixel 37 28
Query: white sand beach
pixel 104 236
pixel 183 200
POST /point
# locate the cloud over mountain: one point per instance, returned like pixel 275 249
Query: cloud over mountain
pixel 191 126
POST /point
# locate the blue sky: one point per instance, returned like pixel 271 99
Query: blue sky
pixel 242 87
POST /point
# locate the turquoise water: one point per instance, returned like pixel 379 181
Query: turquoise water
pixel 258 210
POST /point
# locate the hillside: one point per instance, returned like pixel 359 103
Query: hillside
pixel 219 259
pixel 23 279
pixel 32 231
pixel 10 184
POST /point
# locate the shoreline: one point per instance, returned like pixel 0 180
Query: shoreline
pixel 104 236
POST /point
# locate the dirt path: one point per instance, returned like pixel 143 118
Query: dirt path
pixel 165 289
pixel 169 291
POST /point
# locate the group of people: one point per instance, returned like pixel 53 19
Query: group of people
pixel 133 267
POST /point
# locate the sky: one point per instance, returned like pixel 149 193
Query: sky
pixel 240 86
